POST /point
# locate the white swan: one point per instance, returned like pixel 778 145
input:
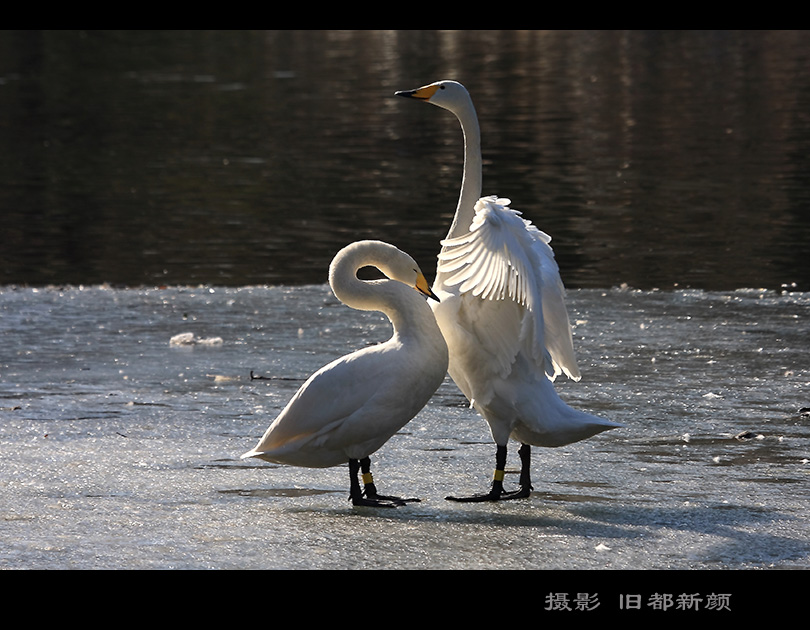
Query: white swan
pixel 502 313
pixel 348 409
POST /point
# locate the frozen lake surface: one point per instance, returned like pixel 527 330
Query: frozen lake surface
pixel 120 450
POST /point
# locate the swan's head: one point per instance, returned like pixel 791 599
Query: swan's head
pixel 449 95
pixel 401 267
pixel 391 261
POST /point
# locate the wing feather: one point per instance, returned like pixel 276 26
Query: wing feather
pixel 505 257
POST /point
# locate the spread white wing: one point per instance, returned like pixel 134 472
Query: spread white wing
pixel 504 257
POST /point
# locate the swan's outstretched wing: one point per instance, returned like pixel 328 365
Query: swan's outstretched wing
pixel 504 257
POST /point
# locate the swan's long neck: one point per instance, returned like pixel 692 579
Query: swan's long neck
pixel 393 298
pixel 471 181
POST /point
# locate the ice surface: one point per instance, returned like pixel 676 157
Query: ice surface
pixel 119 449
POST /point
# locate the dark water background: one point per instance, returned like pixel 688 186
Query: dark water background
pixel 655 159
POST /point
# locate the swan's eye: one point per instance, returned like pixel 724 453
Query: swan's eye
pixel 441 87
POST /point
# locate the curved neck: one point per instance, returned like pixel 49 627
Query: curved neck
pixel 387 296
pixel 471 181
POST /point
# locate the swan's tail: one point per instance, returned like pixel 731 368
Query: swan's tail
pixel 546 420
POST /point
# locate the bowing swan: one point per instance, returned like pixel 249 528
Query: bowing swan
pixel 348 409
pixel 503 314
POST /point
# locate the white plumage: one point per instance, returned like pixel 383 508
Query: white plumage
pixel 505 257
pixel 349 408
pixel 503 314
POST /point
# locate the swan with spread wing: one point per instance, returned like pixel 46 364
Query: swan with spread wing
pixel 503 315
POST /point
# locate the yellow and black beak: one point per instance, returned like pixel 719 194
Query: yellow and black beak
pixel 422 93
pixel 423 287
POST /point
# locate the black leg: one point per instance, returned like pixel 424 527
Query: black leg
pixel 368 496
pixel 355 493
pixel 496 490
pixel 525 489
pixel 370 490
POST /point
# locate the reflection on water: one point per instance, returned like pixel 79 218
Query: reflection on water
pixel 234 158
